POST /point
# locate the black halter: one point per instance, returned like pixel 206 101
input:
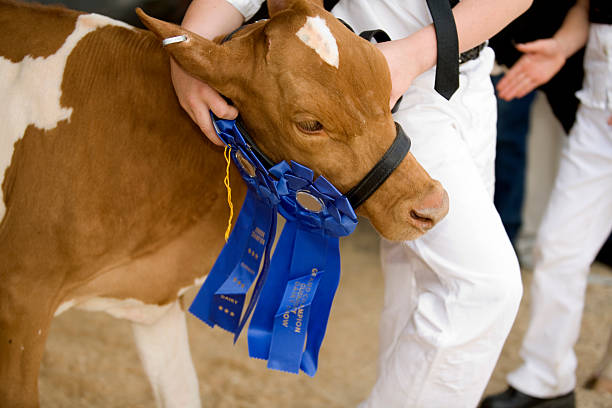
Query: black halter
pixel 370 183
pixel 381 170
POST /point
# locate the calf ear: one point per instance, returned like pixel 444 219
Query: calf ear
pixel 200 57
pixel 276 6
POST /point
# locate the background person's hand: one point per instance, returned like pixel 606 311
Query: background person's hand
pixel 197 98
pixel 541 60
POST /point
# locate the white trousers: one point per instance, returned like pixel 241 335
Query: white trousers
pixel 575 225
pixel 451 296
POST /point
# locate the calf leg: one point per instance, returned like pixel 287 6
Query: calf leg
pixel 24 323
pixel 164 350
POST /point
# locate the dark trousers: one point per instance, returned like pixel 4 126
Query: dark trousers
pixel 511 158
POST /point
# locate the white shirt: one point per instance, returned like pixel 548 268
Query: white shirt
pixel 596 89
pixel 399 18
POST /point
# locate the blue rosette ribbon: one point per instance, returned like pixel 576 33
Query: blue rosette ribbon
pixel 294 290
pixel 290 319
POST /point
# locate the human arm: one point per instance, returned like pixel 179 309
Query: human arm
pixel 476 21
pixel 542 59
pixel 208 18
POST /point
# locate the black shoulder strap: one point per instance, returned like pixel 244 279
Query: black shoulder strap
pixel 447 66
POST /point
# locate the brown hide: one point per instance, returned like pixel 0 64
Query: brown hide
pixel 125 199
pixel 45 38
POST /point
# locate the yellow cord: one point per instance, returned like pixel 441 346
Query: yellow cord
pixel 226 181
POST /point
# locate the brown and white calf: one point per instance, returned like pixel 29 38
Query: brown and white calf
pixel 111 198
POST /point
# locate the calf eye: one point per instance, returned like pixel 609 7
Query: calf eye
pixel 310 126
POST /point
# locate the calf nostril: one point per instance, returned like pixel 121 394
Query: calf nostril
pixel 419 217
pixel 422 219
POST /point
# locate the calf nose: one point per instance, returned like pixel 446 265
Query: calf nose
pixel 431 209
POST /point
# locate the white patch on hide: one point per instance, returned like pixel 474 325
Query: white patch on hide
pixel 317 36
pixel 129 309
pixel 64 306
pixel 197 282
pixel 30 91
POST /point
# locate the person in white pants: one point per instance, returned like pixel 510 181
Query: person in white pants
pixel 576 223
pixel 452 295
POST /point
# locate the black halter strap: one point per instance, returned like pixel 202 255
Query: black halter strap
pixel 370 183
pixel 381 170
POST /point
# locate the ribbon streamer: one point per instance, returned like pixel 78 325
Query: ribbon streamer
pixel 308 243
pixel 221 299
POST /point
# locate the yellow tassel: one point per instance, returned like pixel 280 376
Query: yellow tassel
pixel 226 181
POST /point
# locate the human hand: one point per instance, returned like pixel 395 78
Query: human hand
pixel 610 120
pixel 408 58
pixel 541 60
pixel 197 98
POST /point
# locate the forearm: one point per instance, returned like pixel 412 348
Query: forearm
pixel 573 33
pixel 211 18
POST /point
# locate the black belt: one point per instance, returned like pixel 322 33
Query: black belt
pixel 472 53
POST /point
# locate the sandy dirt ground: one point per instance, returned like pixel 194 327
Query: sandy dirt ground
pixel 91 361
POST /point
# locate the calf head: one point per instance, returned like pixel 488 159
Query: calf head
pixel 310 90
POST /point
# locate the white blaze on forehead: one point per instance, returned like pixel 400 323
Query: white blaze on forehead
pixel 30 91
pixel 317 36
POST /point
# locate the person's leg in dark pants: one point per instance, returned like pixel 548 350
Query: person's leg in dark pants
pixel 510 162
